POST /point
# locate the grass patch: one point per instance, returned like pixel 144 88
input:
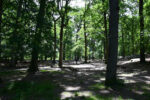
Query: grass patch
pixel 44 90
pixel 146 92
pixel 98 97
pixel 97 86
pixel 147 95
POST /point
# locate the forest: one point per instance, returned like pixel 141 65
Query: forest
pixel 74 50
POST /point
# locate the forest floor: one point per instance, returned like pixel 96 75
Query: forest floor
pixel 76 82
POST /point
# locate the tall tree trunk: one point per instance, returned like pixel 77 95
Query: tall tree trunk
pixel 1 9
pixel 37 38
pixel 61 43
pixel 123 44
pixel 15 36
pixel 142 47
pixel 113 42
pixel 64 52
pixel 106 35
pixel 55 40
pixel 63 24
pixel 106 38
pixel 133 36
pixel 85 42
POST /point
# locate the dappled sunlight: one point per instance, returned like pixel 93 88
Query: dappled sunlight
pixel 81 66
pixel 128 74
pixel 74 50
pixel 104 91
pixel 147 82
pixel 87 80
pixel 71 88
pixel 138 92
pixel 48 68
pixel 66 94
pixel 132 61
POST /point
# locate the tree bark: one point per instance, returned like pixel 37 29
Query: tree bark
pixel 106 38
pixel 63 24
pixel 15 37
pixel 61 43
pixel 106 35
pixel 123 44
pixel 113 42
pixel 64 52
pixel 85 42
pixel 142 47
pixel 1 9
pixel 132 36
pixel 85 36
pixel 37 38
pixel 55 40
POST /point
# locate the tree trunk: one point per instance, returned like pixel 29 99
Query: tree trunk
pixel 142 47
pixel 1 10
pixel 64 52
pixel 61 43
pixel 106 36
pixel 113 42
pixel 1 4
pixel 123 44
pixel 37 38
pixel 63 24
pixel 85 42
pixel 45 58
pixel 15 37
pixel 133 36
pixel 55 40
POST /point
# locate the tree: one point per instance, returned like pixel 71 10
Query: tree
pixel 55 19
pixel 15 36
pixel 1 9
pixel 113 42
pixel 85 38
pixel 37 38
pixel 64 22
pixel 55 38
pixel 106 36
pixel 85 31
pixel 1 4
pixel 142 47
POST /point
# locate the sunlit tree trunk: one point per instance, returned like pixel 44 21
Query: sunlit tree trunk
pixel 37 38
pixel 142 47
pixel 113 42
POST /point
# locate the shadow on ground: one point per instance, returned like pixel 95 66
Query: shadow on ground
pixel 78 82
